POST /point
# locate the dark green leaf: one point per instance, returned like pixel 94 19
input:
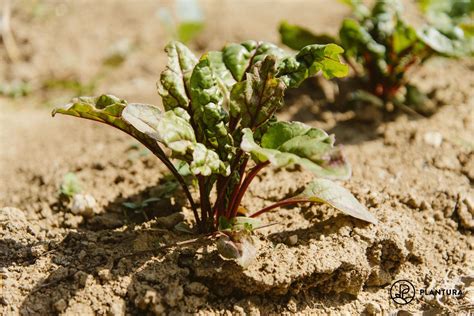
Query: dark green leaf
pixel 297 37
pixel 309 61
pixel 257 98
pixel 287 143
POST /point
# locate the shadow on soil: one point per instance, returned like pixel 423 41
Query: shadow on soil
pixel 329 102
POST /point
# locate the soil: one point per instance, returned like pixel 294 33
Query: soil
pixel 414 173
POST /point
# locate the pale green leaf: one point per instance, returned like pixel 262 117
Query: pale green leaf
pixel 328 192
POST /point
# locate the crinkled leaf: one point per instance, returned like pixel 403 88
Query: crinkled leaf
pixel 309 61
pixel 287 143
pixel 297 37
pixel 239 58
pixel 356 39
pixel 258 97
pixel 384 17
pixel 173 129
pixel 206 162
pixel 404 37
pixel 328 192
pixel 210 82
pixel 174 80
pixel 166 127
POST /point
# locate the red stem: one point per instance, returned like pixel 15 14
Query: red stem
pixel 243 188
pixel 205 203
pixel 280 204
pixel 236 189
pixel 217 209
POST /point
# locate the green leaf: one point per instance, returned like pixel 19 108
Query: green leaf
pixel 309 61
pixel 210 83
pixel 70 185
pixel 174 85
pixel 206 162
pixel 257 98
pixel 173 129
pixel 239 58
pixel 445 45
pixel 168 128
pixel 239 223
pixel 297 37
pixel 108 109
pixel 188 30
pixel 287 143
pixel 328 192
pixel 404 37
pixel 355 39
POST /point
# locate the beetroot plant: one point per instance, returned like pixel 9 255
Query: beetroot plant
pixel 382 47
pixel 219 124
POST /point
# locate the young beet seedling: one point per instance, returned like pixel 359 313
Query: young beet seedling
pixel 218 123
pixel 387 47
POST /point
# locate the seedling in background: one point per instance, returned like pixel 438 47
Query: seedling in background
pixel 186 23
pixel 70 185
pixel 381 47
pixel 218 124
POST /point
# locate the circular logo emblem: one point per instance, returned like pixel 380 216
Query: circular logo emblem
pixel 402 292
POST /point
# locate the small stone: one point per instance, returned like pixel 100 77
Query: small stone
pixel 84 204
pixel 373 309
pixel 60 305
pixel 292 240
pixel 434 139
pixel 117 308
pixel 170 221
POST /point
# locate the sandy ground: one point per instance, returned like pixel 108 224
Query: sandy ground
pixel 415 174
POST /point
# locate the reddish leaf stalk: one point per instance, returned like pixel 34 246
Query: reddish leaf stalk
pixel 243 188
pixel 280 204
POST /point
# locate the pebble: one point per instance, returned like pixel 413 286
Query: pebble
pixel 84 204
pixel 373 309
pixel 292 240
pixel 434 139
pixel 170 221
